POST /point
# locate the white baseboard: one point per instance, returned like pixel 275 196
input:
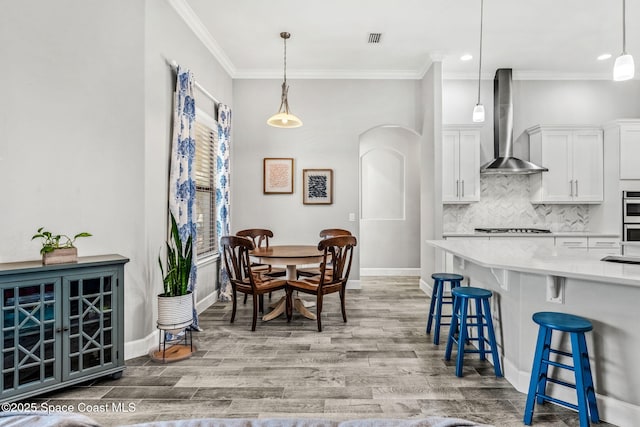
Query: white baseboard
pixel 143 346
pixel 354 284
pixel 140 347
pixel 206 302
pixel 390 272
pixel 427 288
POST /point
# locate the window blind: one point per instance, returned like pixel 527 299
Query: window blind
pixel 206 134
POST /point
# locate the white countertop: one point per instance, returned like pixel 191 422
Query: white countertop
pixel 552 234
pixel 540 258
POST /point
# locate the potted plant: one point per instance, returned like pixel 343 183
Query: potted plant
pixel 58 248
pixel 175 304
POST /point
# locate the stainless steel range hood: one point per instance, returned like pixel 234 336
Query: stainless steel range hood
pixel 504 162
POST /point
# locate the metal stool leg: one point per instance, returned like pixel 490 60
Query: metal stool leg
pixel 452 328
pixel 436 333
pixel 434 293
pixel 462 336
pixel 588 380
pixel 481 323
pixel 492 338
pixel 535 377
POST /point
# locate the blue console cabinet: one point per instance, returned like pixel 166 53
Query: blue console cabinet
pixel 60 324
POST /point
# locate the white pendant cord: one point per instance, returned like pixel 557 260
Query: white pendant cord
pixel 624 28
pixel 480 57
pixel 478 110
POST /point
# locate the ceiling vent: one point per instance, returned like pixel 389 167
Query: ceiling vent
pixel 374 38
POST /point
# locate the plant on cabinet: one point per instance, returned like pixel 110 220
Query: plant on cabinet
pixel 58 248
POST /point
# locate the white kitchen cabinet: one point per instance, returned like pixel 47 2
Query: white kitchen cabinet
pixel 574 157
pixel 604 245
pixel 624 134
pixel 581 243
pixel 542 240
pixel 460 164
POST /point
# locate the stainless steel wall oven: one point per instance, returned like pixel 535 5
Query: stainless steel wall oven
pixel 631 207
pixel 631 216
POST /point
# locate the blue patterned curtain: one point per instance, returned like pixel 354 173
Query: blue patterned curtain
pixel 222 189
pixel 182 188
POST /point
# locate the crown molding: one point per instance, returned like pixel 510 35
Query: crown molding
pixel 331 74
pixel 530 75
pixel 195 24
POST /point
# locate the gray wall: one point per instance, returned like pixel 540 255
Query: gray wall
pixel 335 113
pixel 73 101
pixel 84 132
pixel 431 169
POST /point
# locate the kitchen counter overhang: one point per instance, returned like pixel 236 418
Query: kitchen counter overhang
pixel 540 258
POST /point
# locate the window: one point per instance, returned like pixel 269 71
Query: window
pixel 206 133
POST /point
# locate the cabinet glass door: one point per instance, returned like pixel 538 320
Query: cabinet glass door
pixel 90 339
pixel 28 331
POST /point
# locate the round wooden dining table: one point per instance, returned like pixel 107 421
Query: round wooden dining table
pixel 291 256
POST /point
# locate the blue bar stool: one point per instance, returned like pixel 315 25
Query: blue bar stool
pixel 462 296
pixel 576 326
pixel 438 298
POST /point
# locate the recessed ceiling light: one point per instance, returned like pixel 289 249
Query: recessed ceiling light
pixel 466 57
pixel 604 56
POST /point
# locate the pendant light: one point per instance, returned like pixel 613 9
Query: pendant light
pixel 478 111
pixel 623 68
pixel 283 118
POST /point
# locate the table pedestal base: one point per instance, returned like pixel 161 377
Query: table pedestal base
pixel 298 304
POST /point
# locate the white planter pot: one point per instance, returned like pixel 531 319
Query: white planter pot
pixel 175 313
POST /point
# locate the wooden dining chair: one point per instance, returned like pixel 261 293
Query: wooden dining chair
pixel 334 273
pixel 242 277
pixel 324 234
pixel 260 238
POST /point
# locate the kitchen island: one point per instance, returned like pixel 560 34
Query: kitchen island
pixel 527 277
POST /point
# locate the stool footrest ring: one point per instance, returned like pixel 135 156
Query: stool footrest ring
pixel 558 401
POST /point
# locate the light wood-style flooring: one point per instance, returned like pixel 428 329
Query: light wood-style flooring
pixel 378 365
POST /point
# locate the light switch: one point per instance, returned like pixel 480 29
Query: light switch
pixel 352 216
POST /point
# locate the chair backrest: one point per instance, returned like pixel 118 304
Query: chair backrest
pixel 333 232
pixel 258 236
pixel 338 254
pixel 236 259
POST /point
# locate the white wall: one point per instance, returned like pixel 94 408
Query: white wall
pixel 431 169
pixel 390 199
pixel 84 132
pixel 74 132
pixel 335 113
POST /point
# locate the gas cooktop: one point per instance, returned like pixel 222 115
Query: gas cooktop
pixel 513 230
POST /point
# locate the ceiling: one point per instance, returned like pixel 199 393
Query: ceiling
pixel 547 39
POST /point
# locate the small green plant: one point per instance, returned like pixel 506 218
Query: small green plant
pixel 52 241
pixel 179 257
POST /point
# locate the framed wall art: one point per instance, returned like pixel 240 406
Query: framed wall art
pixel 277 176
pixel 317 186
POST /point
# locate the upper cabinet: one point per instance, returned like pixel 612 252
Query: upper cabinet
pixel 625 134
pixel 460 164
pixel 574 157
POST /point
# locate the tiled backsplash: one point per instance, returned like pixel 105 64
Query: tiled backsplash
pixel 504 202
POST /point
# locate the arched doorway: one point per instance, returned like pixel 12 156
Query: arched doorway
pixel 389 202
